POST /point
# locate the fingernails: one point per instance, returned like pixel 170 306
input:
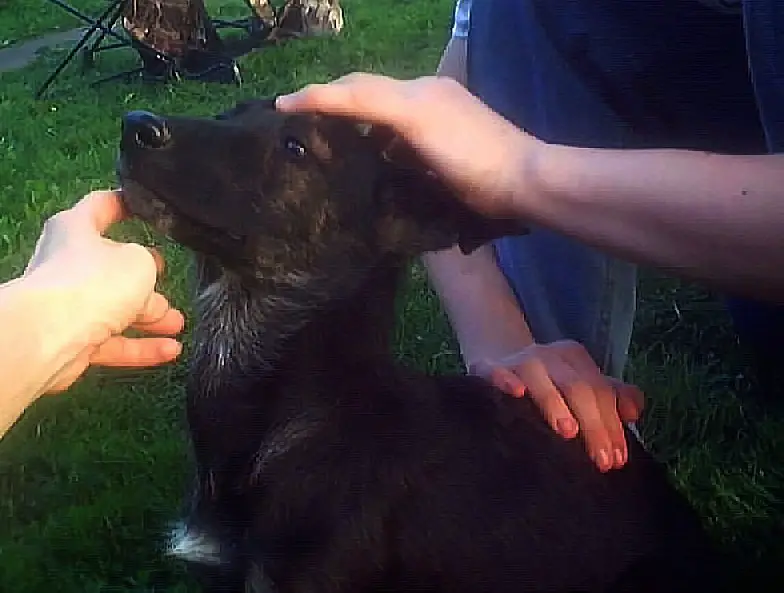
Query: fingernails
pixel 284 101
pixel 566 426
pixel 604 459
pixel 620 457
pixel 171 349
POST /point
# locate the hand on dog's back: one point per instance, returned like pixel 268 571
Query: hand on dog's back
pixel 572 394
pixel 568 387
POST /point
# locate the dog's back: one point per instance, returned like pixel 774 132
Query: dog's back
pixel 443 483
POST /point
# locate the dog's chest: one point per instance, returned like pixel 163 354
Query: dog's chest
pixel 228 329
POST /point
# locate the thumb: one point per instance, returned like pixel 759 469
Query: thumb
pixel 631 400
pixel 156 307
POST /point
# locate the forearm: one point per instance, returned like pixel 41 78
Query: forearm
pixel 481 307
pixel 711 218
pixel 33 346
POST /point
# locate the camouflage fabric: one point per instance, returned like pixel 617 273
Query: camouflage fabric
pixel 264 11
pixel 309 18
pixel 173 27
pixel 300 18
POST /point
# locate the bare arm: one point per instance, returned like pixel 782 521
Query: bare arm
pixel 475 294
pixel 35 345
pixel 712 218
pixel 496 341
pixel 491 163
pixel 68 310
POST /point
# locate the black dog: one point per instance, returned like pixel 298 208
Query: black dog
pixel 324 466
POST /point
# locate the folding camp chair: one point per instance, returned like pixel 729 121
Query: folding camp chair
pixel 150 27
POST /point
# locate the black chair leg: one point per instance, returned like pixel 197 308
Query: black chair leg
pixel 159 66
pixel 95 46
pixel 114 10
pixel 115 7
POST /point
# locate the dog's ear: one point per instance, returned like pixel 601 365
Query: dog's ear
pixel 420 212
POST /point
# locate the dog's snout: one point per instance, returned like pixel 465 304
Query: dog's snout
pixel 146 130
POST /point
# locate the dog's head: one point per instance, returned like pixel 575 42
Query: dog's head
pixel 269 195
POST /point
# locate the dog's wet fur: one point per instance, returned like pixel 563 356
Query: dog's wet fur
pixel 323 464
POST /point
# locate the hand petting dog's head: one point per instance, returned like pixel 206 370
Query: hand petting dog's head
pixel 269 195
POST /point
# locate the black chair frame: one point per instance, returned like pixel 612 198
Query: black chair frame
pixel 101 27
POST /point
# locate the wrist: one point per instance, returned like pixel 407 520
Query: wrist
pixel 480 365
pixel 30 351
pixel 540 175
pixel 50 335
pixel 480 305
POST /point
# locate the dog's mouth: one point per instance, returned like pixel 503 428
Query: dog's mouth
pixel 150 207
pixel 143 203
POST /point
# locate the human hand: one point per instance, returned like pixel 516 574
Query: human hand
pixel 572 394
pixel 99 288
pixel 480 154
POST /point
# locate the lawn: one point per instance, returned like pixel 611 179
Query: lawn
pixel 89 480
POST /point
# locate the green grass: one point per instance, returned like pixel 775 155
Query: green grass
pixel 23 19
pixel 89 480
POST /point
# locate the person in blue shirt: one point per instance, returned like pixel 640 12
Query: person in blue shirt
pixel 551 313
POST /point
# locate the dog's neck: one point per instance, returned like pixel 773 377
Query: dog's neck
pixel 249 333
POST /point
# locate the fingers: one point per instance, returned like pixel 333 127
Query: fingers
pixel 545 393
pixel 631 401
pixel 159 317
pixel 607 441
pixel 581 399
pixel 98 209
pixel 605 397
pixel 371 97
pixel 574 396
pixel 117 351
pixel 171 324
pixel 507 381
pixel 121 351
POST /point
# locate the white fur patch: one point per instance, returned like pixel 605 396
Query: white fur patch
pixel 237 331
pixel 193 545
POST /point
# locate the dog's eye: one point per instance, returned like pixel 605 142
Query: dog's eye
pixel 295 147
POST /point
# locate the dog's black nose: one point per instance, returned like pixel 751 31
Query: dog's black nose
pixel 146 129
